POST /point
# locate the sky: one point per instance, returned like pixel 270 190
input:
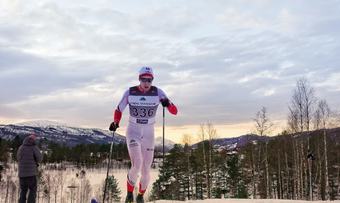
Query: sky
pixel 219 61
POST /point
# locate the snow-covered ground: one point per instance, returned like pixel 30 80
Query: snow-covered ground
pixel 244 201
pixel 96 178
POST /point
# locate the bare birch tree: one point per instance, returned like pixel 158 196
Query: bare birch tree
pixel 300 117
pixel 263 127
pixel 322 114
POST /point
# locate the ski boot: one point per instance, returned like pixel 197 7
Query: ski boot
pixel 140 198
pixel 129 197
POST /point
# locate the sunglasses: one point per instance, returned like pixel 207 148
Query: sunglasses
pixel 149 80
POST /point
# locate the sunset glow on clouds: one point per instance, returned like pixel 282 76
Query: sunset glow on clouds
pixel 219 61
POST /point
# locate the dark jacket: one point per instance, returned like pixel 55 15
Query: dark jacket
pixel 28 156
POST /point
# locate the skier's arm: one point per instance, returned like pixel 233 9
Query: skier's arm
pixel 117 115
pixel 167 103
pixel 120 108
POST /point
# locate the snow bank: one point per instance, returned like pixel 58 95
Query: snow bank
pixel 243 201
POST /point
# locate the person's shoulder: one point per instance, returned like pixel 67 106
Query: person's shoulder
pixel 22 146
pixel 154 88
pixel 158 89
pixel 133 90
pixel 133 87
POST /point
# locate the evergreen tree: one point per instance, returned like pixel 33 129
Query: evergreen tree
pixel 17 141
pixel 173 176
pixel 3 151
pixel 113 192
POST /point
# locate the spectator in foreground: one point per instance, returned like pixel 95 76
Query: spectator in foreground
pixel 28 157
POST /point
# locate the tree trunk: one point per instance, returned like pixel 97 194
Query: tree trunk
pixel 338 180
pixel 310 180
pixel 327 196
pixel 258 165
pixel 279 188
pixel 209 169
pixel 295 171
pixel 7 188
pixel 253 165
pixel 320 175
pixel 268 191
pixel 298 194
pixel 316 194
pixel 304 172
pixel 289 192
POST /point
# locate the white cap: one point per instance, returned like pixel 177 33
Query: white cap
pixel 146 71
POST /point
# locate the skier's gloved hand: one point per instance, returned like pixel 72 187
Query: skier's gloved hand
pixel 113 126
pixel 165 102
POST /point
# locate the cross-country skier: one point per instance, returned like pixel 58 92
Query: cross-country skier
pixel 143 101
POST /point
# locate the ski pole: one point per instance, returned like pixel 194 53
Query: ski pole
pixel 163 132
pixel 108 166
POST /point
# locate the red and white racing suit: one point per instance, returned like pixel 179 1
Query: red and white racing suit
pixel 140 131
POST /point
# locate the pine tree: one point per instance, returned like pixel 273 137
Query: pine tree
pixel 17 141
pixel 219 180
pixel 173 179
pixel 198 172
pixel 4 154
pixel 233 174
pixel 113 192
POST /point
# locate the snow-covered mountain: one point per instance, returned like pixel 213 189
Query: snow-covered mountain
pixel 159 142
pixel 59 133
pixel 239 141
pixel 233 143
pixel 71 136
pixel 63 133
pixel 168 144
pixel 42 123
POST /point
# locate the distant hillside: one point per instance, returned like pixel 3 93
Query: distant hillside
pixel 230 144
pixel 64 134
pixel 59 133
pixel 235 142
pixel 71 136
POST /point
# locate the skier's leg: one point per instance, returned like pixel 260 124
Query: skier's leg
pixel 148 154
pixel 134 148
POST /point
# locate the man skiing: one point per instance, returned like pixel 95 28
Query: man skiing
pixel 143 101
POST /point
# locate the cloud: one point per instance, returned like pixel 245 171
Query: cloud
pixel 264 92
pixel 220 61
pixel 331 83
pixel 24 75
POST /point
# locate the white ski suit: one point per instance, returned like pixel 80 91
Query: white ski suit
pixel 140 130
